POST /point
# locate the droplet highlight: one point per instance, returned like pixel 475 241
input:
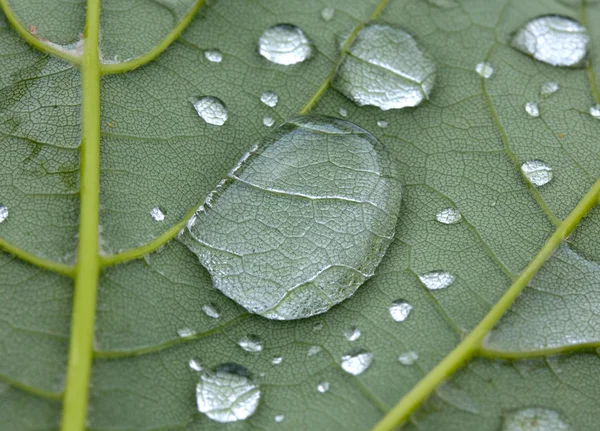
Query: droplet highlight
pixel 279 418
pixel 251 343
pixel 211 310
pixel 399 310
pixel 356 361
pixel 213 55
pixel 532 109
pixel 595 111
pixel 408 358
pixel 484 69
pixel 537 172
pixel 277 360
pixel 323 387
pixel 448 216
pixel 352 333
pixel 195 364
pixel 157 214
pixel 534 419
pixel 3 212
pixel 212 110
pixel 284 44
pixel 269 98
pixel 436 280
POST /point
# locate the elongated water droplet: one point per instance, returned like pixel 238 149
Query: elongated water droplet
pixel 157 214
pixel 251 343
pixel 211 310
pixel 277 360
pixel 595 111
pixel 304 192
pixel 400 309
pixel 534 419
pixel 195 364
pixel 356 361
pixel 549 88
pixel 3 212
pixel 313 350
pixel 437 280
pixel 284 44
pixel 553 39
pixel 382 123
pixel 279 418
pixel 352 333
pixel 212 110
pixel 227 393
pixel 185 332
pixel 448 216
pixel 537 172
pixel 484 69
pixel 343 112
pixel 213 55
pixel 408 358
pixel 327 13
pixel 532 109
pixel 269 98
pixel 386 68
pixel 323 387
pixel 268 121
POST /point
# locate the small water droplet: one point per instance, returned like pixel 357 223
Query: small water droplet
pixel 552 39
pixel 157 214
pixel 534 419
pixel 352 333
pixel 327 13
pixel 532 109
pixel 277 360
pixel 343 112
pixel 212 110
pixel 251 343
pixel 323 387
pixel 484 69
pixel 284 44
pixel 269 98
pixel 211 310
pixel 185 332
pixel 279 418
pixel 318 327
pixel 356 361
pixel 268 121
pixel 3 212
pixel 408 358
pixel 382 123
pixel 444 4
pixel 448 216
pixel 213 55
pixel 537 172
pixel 437 280
pixel 595 111
pixel 195 364
pixel 399 310
pixel 227 393
pixel 313 350
pixel 386 68
pixel 549 88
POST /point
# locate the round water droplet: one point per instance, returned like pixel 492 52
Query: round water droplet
pixel 313 350
pixel 356 361
pixel 277 360
pixel 321 220
pixel 448 216
pixel 595 111
pixel 382 123
pixel 343 112
pixel 195 364
pixel 552 39
pixel 212 110
pixel 185 332
pixel 251 343
pixel 323 387
pixel 532 109
pixel 211 310
pixel 279 418
pixel 3 212
pixel 408 358
pixel 327 13
pixel 269 98
pixel 352 333
pixel 484 69
pixel 399 310
pixel 284 44
pixel 157 214
pixel 548 88
pixel 437 280
pixel 386 68
pixel 227 393
pixel 213 55
pixel 534 419
pixel 537 172
pixel 268 121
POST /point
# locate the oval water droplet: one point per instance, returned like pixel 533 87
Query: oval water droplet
pixel 279 418
pixel 313 350
pixel 382 123
pixel 323 387
pixel 277 360
pixel 448 216
pixel 484 69
pixel 552 39
pixel 408 358
pixel 251 343
pixel 3 212
pixel 352 333
pixel 400 309
pixel 386 68
pixel 195 364
pixel 537 172
pixel 321 220
pixel 549 88
pixel 284 44
pixel 356 361
pixel 157 214
pixel 227 393
pixel 437 280
pixel 327 13
pixel 269 98
pixel 595 111
pixel 186 332
pixel 211 109
pixel 268 121
pixel 213 55
pixel 532 109
pixel 211 310
pixel 534 419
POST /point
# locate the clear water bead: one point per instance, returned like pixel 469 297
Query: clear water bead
pixel 553 39
pixel 277 360
pixel 352 333
pixel 3 212
pixel 195 364
pixel 343 112
pixel 532 109
pixel 437 280
pixel 448 216
pixel 356 361
pixel 251 343
pixel 399 310
pixel 186 332
pixel 323 387
pixel 279 418
pixel 269 98
pixel 227 393
pixel 157 214
pixel 595 111
pixel 408 358
pixel 213 55
pixel 382 123
pixel 313 350
pixel 284 44
pixel 537 172
pixel 327 13
pixel 534 419
pixel 268 121
pixel 212 110
pixel 211 310
pixel 549 88
pixel 484 69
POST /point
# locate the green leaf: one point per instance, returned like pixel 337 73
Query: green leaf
pixel 110 294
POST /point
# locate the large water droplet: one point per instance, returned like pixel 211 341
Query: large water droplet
pixel 549 88
pixel 157 214
pixel 537 172
pixel 212 110
pixel 327 13
pixel 213 55
pixel 400 309
pixel 211 310
pixel 408 358
pixel 534 419
pixel 385 68
pixel 352 333
pixel 448 216
pixel 532 109
pixel 323 387
pixel 553 39
pixel 269 98
pixel 302 220
pixel 195 364
pixel 437 280
pixel 227 393
pixel 484 69
pixel 3 212
pixel 356 361
pixel 251 343
pixel 284 44
pixel 595 111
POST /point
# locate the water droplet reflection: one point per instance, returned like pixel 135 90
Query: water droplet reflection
pixel 284 44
